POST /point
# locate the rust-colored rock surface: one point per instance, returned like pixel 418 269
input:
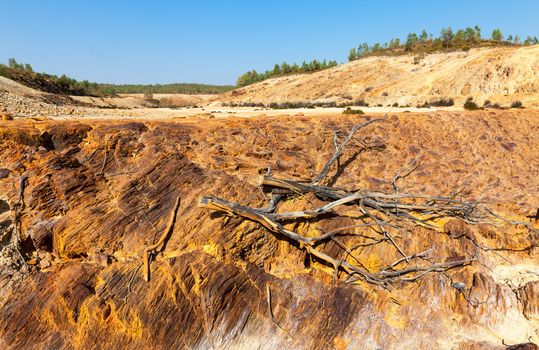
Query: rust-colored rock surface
pixel 97 193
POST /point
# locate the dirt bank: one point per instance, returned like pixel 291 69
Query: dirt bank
pixel 98 192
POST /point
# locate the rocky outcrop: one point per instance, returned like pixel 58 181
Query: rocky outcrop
pixel 98 194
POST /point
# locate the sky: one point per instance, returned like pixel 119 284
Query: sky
pixel 120 41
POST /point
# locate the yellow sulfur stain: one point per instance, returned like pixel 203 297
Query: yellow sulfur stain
pixel 47 318
pixel 394 318
pixel 84 322
pixel 340 343
pixel 132 328
pixel 373 263
pixel 211 249
pixel 198 281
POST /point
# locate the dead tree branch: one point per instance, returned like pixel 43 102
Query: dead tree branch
pixel 339 148
pixel 382 213
pixel 307 243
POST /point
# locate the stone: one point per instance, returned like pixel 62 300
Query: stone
pixel 4 173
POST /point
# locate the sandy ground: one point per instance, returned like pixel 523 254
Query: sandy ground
pixel 227 112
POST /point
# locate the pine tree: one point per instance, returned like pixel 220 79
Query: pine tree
pixel 447 36
pixel 477 31
pixel 13 64
pixel 285 68
pixel 469 35
pixel 497 35
pixel 411 39
pixel 424 36
pixel 352 56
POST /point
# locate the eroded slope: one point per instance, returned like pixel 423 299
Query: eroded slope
pixel 501 75
pixel 98 193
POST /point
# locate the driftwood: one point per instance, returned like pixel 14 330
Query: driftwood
pixel 151 249
pixel 381 212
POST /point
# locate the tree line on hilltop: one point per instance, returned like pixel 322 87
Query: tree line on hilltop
pixel 24 74
pixel 423 43
pixel 284 69
pixel 462 39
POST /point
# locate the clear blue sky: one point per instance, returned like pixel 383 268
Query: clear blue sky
pixel 215 41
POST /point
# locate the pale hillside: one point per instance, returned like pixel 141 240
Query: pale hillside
pixel 501 75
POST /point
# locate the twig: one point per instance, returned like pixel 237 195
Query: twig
pixel 382 228
pixel 104 159
pixel 20 202
pixel 419 255
pixel 401 174
pixel 270 310
pixel 460 287
pixel 319 211
pixel 528 225
pixel 149 250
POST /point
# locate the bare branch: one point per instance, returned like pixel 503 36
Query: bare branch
pixel 340 148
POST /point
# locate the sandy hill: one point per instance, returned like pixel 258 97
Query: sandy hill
pixel 501 75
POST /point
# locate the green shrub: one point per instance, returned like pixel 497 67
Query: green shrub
pixel 442 102
pixel 301 104
pixel 349 110
pixel 418 58
pixel 470 105
pixel 488 104
pixel 517 104
pixel 357 102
